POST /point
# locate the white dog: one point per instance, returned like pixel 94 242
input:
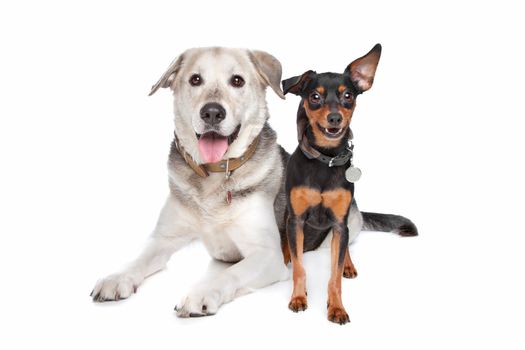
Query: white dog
pixel 225 173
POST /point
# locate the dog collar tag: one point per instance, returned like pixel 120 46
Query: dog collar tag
pixel 353 174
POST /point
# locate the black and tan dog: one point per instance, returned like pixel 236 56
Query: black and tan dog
pixel 319 195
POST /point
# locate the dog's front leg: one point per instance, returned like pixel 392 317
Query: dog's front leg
pixel 256 237
pixel 170 234
pixel 339 248
pixel 294 229
pixel 257 270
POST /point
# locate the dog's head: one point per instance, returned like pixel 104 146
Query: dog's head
pixel 328 99
pixel 220 104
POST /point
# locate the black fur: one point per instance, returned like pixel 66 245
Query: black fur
pixel 319 198
pixel 302 171
pixel 311 173
pixel 389 223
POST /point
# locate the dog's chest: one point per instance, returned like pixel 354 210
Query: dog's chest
pixel 219 215
pixel 226 229
pixel 320 217
pixel 210 196
pixel 229 229
pixel 217 197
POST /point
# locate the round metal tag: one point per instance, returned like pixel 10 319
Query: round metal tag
pixel 353 174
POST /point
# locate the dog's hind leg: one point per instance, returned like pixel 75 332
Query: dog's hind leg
pixel 169 235
pixel 354 221
pixel 349 270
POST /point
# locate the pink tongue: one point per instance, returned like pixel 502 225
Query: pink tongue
pixel 212 147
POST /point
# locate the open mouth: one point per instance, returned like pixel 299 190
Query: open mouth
pixel 213 146
pixel 331 132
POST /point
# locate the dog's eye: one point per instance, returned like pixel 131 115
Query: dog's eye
pixel 315 98
pixel 237 81
pixel 195 80
pixel 348 97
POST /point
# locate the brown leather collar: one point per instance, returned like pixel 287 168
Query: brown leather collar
pixel 223 166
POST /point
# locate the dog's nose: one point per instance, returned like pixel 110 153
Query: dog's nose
pixel 334 119
pixel 213 113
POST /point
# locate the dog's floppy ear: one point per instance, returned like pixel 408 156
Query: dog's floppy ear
pixel 363 70
pixel 167 78
pixel 296 84
pixel 268 68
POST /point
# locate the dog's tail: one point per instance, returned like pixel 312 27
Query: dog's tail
pixel 389 223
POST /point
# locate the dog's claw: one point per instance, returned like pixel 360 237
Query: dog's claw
pixel 298 303
pixel 350 272
pixel 338 315
pixel 114 287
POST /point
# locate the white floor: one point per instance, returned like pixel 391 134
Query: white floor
pixel 409 294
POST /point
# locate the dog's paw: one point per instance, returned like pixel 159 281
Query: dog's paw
pixel 113 288
pixel 198 304
pixel 298 303
pixel 349 272
pixel 338 315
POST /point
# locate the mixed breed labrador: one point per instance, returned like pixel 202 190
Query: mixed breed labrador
pixel 249 201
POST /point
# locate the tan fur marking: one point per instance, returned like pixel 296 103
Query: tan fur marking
pixel 336 310
pixel 319 116
pixel 321 90
pixel 302 198
pixel 338 201
pixel 349 270
pixel 298 300
pixel 341 88
pixel 346 113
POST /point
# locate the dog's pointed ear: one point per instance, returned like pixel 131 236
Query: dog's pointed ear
pixel 363 70
pixel 268 68
pixel 169 75
pixel 296 84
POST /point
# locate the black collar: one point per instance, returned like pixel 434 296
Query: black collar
pixel 340 159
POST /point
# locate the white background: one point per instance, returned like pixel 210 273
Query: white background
pixel 439 138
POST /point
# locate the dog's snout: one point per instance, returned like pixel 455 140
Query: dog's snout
pixel 334 119
pixel 213 113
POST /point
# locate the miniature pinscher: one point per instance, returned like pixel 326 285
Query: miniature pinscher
pixel 319 194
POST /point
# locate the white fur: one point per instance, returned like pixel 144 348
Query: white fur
pixel 249 231
pixel 245 106
pixel 172 232
pixel 244 231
